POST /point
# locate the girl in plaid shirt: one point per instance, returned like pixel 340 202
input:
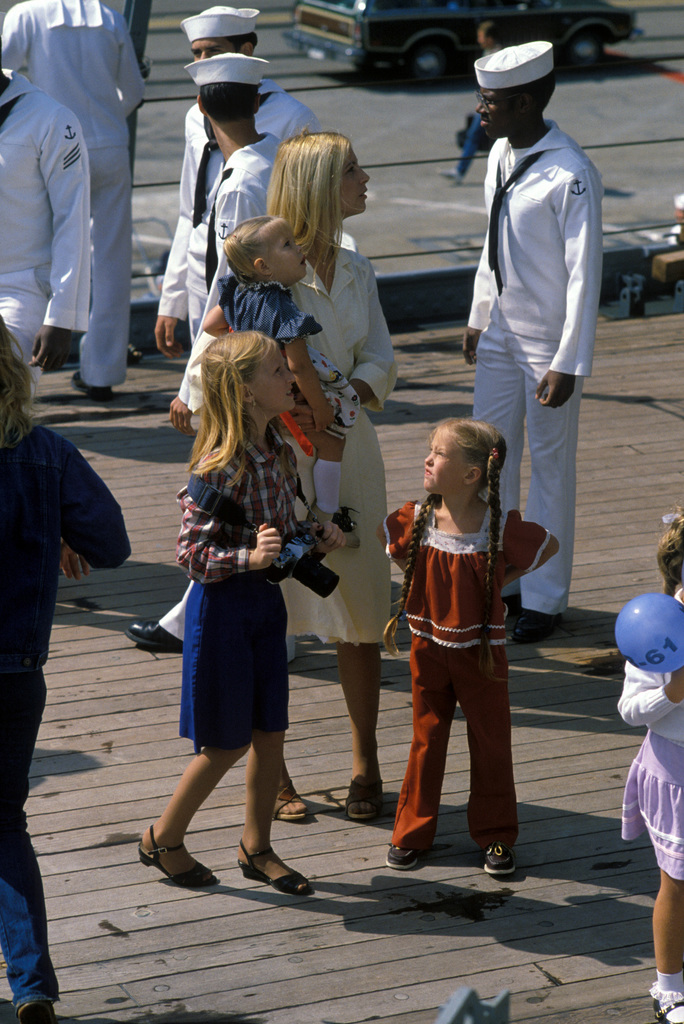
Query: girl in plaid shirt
pixel 235 683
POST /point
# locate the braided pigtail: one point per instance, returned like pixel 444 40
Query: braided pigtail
pixel 495 463
pixel 671 551
pixel 412 555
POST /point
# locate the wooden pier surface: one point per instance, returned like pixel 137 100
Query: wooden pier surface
pixel 569 935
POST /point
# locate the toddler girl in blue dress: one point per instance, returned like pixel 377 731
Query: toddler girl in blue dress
pixel 265 261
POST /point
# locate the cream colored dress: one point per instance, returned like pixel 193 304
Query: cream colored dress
pixel 355 337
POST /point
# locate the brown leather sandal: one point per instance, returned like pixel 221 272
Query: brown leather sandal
pixel 286 796
pixel 359 792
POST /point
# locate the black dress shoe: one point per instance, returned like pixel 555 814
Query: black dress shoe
pixel 153 637
pixel 534 626
pixel 96 394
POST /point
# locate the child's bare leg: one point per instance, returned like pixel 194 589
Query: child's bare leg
pixel 327 471
pixel 668 926
pixel 198 780
pixel 262 784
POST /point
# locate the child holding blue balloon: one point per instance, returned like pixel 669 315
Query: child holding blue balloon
pixel 654 793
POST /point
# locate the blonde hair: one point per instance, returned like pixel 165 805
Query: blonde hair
pixel 16 420
pixel 670 553
pixel 244 245
pixel 226 425
pixel 305 190
pixel 483 446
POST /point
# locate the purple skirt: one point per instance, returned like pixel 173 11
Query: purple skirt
pixel 654 801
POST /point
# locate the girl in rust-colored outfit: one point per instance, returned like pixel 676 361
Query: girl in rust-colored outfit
pixel 458 551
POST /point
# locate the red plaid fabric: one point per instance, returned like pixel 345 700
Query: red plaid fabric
pixel 210 550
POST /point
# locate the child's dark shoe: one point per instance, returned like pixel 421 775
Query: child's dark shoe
pixel 499 860
pixel 401 860
pixel 668 1006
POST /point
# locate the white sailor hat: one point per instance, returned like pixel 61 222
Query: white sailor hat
pixel 679 205
pixel 515 65
pixel 227 67
pixel 217 22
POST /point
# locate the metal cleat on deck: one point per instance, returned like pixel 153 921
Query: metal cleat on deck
pixel 465 1007
pixel 631 301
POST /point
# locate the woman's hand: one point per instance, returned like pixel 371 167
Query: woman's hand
pixel 330 537
pixel 323 416
pixel 302 413
pixel 268 545
pixel 363 390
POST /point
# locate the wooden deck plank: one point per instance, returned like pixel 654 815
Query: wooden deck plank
pixel 569 935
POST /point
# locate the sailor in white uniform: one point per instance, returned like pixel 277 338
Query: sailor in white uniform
pixel 532 324
pixel 228 94
pixel 80 53
pixel 44 198
pixel 184 293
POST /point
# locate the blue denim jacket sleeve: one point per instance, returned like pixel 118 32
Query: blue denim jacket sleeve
pixel 47 491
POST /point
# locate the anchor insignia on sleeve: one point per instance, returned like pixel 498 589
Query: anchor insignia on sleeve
pixel 577 189
pixel 69 133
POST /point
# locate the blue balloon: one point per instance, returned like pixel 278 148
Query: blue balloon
pixel 650 632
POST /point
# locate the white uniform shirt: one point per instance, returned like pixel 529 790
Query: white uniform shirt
pixel 80 53
pixel 45 201
pixel 281 115
pixel 240 196
pixel 550 252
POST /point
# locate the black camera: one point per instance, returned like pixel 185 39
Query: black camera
pixel 296 560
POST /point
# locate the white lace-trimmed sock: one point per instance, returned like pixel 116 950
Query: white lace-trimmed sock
pixel 327 477
pixel 668 997
pixel 670 982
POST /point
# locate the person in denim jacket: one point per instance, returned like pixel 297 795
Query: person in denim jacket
pixel 54 510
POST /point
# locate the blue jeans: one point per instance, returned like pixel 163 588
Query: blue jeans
pixel 23 922
pixel 475 138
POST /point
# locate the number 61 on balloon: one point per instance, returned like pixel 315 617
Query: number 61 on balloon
pixel 649 632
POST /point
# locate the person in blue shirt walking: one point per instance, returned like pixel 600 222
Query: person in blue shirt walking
pixel 55 510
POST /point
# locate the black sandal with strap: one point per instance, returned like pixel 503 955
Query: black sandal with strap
pixel 292 884
pixel 193 878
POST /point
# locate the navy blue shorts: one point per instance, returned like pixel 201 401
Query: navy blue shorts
pixel 235 675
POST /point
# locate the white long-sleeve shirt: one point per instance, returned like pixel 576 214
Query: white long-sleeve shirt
pixel 80 53
pixel 239 197
pixel 280 115
pixel 550 251
pixel 643 702
pixel 45 200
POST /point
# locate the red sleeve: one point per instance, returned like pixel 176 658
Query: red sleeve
pixel 523 542
pixel 398 529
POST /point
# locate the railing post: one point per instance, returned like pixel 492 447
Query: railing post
pixel 137 15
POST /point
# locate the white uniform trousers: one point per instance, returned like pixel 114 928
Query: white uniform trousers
pixel 24 297
pixel 104 348
pixel 174 620
pixel 508 370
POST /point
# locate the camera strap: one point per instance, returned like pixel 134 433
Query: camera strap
pixel 215 503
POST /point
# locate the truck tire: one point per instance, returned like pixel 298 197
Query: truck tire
pixel 429 59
